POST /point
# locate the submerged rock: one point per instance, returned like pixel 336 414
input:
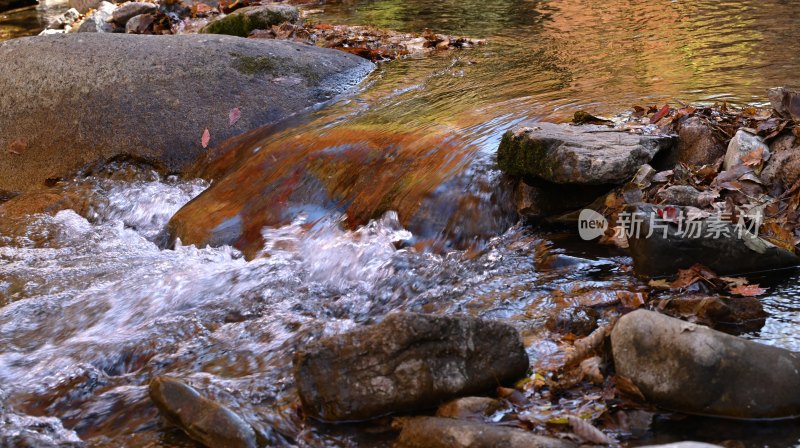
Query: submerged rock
pixel 661 248
pixel 148 96
pixel 433 432
pixel 584 155
pixel 579 320
pixel 204 420
pixel 407 362
pixel 267 179
pixel 244 20
pixel 693 369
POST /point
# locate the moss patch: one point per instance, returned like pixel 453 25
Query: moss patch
pixel 524 157
pixel 232 25
pixel 254 65
pixel 243 21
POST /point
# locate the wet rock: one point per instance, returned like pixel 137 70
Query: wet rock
pixel 407 362
pixel 579 321
pixel 782 169
pixel 469 407
pixel 204 420
pixel 244 20
pixel 433 432
pixel 786 102
pixel 728 314
pixel 693 369
pixel 98 20
pixel 148 96
pixel 47 202
pixel 129 10
pixel 714 244
pixel 266 178
pixel 698 143
pixel 584 155
pixel 742 143
pixel 542 201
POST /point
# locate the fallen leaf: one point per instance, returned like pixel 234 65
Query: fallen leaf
pixel 590 367
pixel 627 389
pixel 206 138
pixel 697 273
pixel 660 114
pixel 201 10
pixel 587 431
pixel 630 299
pixel 748 290
pixel 659 284
pixel 734 281
pixel 512 395
pixel 754 158
pixel 234 115
pixel 777 235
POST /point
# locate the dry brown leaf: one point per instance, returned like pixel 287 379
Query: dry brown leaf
pixel 777 235
pixel 734 281
pixel 587 431
pixel 630 299
pixel 747 290
pixel 659 284
pixel 660 114
pixel 753 158
pixel 590 367
pixel 627 389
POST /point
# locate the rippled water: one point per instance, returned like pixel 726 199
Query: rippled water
pixel 93 308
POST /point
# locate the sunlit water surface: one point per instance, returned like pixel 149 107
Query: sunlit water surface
pixel 92 309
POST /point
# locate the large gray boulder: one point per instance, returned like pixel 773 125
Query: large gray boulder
pixel 693 369
pixel 433 432
pixel 73 99
pixel 407 362
pixel 661 248
pixel 582 155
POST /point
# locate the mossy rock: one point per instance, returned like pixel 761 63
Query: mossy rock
pixel 523 157
pixel 243 21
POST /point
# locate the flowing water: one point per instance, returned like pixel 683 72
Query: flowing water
pixel 92 307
